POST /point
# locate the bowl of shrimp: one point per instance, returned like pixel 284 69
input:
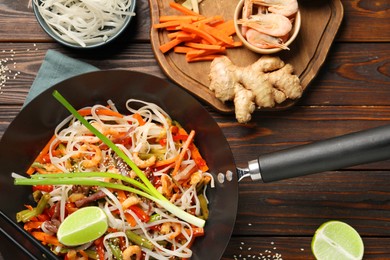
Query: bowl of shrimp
pixel 267 26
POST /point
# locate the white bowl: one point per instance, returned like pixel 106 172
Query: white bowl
pixel 294 32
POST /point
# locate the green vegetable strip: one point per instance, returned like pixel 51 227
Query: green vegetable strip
pixel 139 240
pixel 166 204
pixel 203 206
pixel 158 197
pixel 27 214
pixel 93 174
pixel 117 253
pixel 90 182
pixel 84 182
pixel 110 144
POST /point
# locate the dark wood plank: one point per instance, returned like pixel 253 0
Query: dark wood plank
pixel 345 79
pixel 353 74
pixel 364 21
pixel 279 130
pixel 292 248
pixel 24 60
pixel 298 206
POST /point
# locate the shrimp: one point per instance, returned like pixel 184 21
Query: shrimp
pixel 247 11
pixel 95 159
pixel 283 7
pixel 168 226
pixel 132 251
pixel 105 130
pixel 143 163
pixel 130 201
pixel 167 185
pixel 196 177
pixel 264 41
pixel 272 24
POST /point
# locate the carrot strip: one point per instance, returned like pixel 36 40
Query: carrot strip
pixel 172 28
pixel 199 53
pixel 167 18
pixel 43 152
pixel 99 247
pixel 200 162
pixel 205 46
pixel 235 44
pixel 121 195
pixel 186 37
pixel 216 34
pixel 204 58
pixel 209 20
pixel 201 33
pixel 171 23
pixel 139 118
pixel 130 219
pixel 169 45
pixel 227 27
pixel 46 238
pixel 166 162
pixel 182 9
pixel 182 49
pixel 173 35
pixel 32 225
pixel 183 152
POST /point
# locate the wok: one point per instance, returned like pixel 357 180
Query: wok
pixel 34 125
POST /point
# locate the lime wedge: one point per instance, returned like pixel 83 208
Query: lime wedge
pixel 83 226
pixel 337 240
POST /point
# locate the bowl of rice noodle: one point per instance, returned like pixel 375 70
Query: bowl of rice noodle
pixel 86 23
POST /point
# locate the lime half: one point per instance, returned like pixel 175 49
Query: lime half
pixel 83 226
pixel 337 240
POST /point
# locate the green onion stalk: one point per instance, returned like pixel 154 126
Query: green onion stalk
pixel 27 214
pixel 145 189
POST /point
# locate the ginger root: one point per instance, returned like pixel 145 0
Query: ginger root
pixel 266 82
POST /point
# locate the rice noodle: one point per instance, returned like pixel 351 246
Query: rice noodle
pixel 85 22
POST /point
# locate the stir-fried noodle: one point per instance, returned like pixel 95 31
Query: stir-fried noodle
pixel 164 152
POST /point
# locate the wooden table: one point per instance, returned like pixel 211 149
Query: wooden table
pixel 350 93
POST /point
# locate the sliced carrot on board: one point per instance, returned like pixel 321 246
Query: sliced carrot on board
pixel 227 27
pixel 167 18
pixel 171 23
pixel 182 49
pixel 215 33
pixel 205 46
pixel 169 45
pixel 204 58
pixel 201 33
pixel 210 35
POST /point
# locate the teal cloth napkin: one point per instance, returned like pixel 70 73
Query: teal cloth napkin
pixel 55 68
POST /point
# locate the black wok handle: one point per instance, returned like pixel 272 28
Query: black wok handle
pixel 343 151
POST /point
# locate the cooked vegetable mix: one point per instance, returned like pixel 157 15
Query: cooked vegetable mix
pixel 141 168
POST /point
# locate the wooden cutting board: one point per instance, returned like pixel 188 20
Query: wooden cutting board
pixel 321 20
